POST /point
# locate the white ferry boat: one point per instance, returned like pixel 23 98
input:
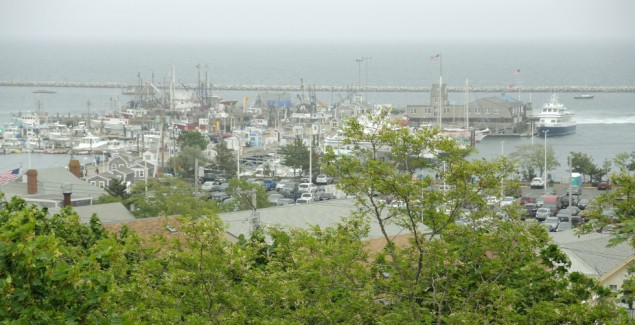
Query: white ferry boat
pixel 554 119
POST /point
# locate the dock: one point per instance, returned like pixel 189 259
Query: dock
pixel 333 88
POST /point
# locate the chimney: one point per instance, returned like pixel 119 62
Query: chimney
pixel 67 189
pixel 31 181
pixel 75 168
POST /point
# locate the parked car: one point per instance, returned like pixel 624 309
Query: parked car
pixel 537 182
pixel 307 187
pixel 308 195
pixel 269 184
pixel 323 179
pixel 508 200
pixel 603 186
pixel 531 209
pixel 583 204
pixel 491 200
pixel 218 196
pixel 274 197
pixel 303 200
pixel 542 214
pixel 323 196
pixel 551 223
pixel 564 200
pixel 208 186
pixel 526 199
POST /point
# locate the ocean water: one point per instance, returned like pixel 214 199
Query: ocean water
pixel 606 123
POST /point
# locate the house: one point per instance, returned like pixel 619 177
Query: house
pixel 590 254
pixel 101 180
pixel 126 174
pixel 142 170
pixel 118 161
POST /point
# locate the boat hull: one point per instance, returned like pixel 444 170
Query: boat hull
pixel 555 130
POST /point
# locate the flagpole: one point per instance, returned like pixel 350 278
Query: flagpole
pixel 440 90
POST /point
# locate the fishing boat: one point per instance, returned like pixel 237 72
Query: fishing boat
pixel 583 96
pixel 554 119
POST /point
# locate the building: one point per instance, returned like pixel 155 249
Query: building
pixel 502 115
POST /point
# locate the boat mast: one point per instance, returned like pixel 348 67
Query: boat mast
pixel 467 107
pixel 440 90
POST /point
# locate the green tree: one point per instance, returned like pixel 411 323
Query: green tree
pixel 225 160
pixel 583 164
pixel 449 273
pixel 296 155
pixel 53 269
pixel 184 163
pixel 241 192
pixel 530 158
pixel 193 139
pixel 168 197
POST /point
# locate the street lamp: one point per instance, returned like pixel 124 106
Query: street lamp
pixel 359 72
pixel 366 59
pixel 545 179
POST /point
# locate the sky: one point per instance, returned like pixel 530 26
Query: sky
pixel 316 20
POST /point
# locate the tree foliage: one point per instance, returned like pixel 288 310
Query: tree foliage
pixel 531 158
pixel 296 155
pixel 491 269
pixel 184 163
pixel 225 160
pixel 168 197
pixel 583 163
pixel 192 139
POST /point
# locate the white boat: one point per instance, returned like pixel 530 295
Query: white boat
pixel 91 142
pixel 465 133
pixel 583 96
pixel 554 119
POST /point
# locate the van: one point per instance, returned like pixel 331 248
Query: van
pixel 552 202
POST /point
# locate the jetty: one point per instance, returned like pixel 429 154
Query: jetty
pixel 332 88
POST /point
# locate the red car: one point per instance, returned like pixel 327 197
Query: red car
pixel 527 199
pixel 604 185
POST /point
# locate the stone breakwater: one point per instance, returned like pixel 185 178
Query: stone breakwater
pixel 326 88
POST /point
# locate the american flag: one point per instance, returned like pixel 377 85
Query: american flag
pixel 517 72
pixel 9 175
pixel 435 57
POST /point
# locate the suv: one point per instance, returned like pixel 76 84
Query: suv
pixel 537 182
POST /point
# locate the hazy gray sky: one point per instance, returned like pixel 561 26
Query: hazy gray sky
pixel 316 20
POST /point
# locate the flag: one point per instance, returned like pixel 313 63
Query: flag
pixel 9 175
pixel 517 72
pixel 435 57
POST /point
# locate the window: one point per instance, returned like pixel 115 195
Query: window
pixel 102 184
pixel 446 110
pixel 613 287
pixel 497 111
pixel 413 111
pixel 428 111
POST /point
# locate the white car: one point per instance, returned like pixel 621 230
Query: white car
pixel 537 182
pixel 508 200
pixel 309 196
pixel 207 186
pixel 323 179
pixel 307 187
